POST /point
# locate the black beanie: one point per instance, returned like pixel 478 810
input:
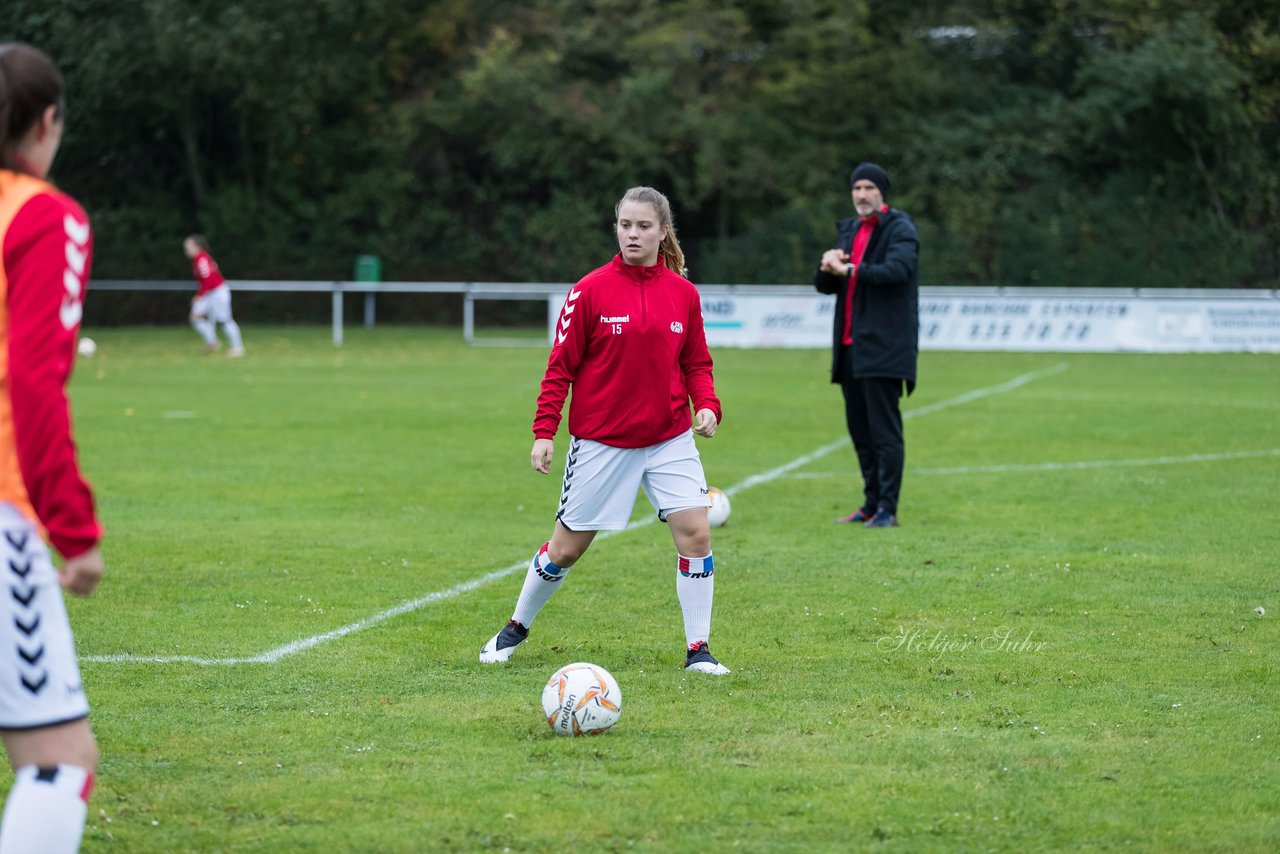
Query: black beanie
pixel 872 173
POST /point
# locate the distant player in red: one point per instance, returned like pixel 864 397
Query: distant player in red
pixel 631 345
pixel 212 302
pixel 46 251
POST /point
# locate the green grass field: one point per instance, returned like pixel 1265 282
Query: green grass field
pixel 1062 648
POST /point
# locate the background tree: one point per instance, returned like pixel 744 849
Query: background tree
pixel 1130 143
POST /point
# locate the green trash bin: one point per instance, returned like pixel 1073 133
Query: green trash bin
pixel 368 269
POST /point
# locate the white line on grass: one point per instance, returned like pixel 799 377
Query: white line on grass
pixel 1100 464
pixel 967 397
pixel 1075 466
pixel 273 655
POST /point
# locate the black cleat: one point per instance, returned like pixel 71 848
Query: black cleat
pixel 699 659
pixel 504 643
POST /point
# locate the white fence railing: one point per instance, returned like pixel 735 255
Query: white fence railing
pixel 471 292
pixel 951 318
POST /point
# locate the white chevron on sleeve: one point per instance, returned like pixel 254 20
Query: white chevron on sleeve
pixel 77 254
pixel 72 283
pixel 565 313
pixel 76 258
pixel 70 312
pixel 78 232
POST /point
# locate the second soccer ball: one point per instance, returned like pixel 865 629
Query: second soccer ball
pixel 718 512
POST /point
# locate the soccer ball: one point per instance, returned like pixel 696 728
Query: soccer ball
pixel 581 699
pixel 718 512
pixel 87 347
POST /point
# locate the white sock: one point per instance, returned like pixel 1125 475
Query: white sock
pixel 45 811
pixel 695 588
pixel 205 327
pixel 233 334
pixel 542 579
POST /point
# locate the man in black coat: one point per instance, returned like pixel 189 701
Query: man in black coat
pixel 874 273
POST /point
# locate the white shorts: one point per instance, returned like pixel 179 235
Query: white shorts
pixel 600 482
pixel 215 305
pixel 39 677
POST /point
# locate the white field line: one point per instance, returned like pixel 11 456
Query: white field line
pixel 1100 464
pixel 967 397
pixel 1074 466
pixel 271 656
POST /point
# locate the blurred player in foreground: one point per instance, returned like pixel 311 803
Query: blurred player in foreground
pixel 630 343
pixel 47 248
pixel 212 302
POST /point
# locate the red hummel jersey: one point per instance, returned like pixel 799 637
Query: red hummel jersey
pixel 630 342
pixel 46 247
pixel 206 273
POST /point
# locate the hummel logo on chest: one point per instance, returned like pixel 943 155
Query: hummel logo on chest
pixel 621 318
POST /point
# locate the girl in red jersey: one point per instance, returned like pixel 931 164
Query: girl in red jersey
pixel 212 302
pixel 631 345
pixel 46 246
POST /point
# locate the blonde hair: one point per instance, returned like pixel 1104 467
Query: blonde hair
pixel 669 249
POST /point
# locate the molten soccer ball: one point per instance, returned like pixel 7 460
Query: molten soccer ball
pixel 581 699
pixel 718 512
pixel 87 347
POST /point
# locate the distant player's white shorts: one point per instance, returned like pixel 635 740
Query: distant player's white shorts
pixel 39 677
pixel 600 482
pixel 215 305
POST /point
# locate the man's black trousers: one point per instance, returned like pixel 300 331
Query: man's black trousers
pixel 875 425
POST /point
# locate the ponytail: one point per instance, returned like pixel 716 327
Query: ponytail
pixel 669 249
pixel 672 254
pixel 29 84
